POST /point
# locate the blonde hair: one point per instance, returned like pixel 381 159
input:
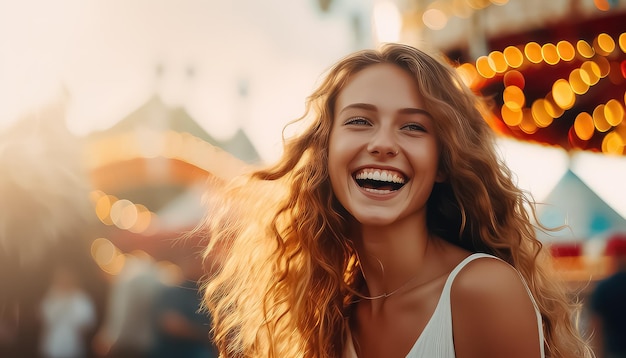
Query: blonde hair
pixel 288 269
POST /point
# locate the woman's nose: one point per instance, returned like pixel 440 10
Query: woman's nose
pixel 383 143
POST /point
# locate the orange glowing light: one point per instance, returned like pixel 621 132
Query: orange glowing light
pixel 511 117
pixel 103 208
pixel 579 81
pixel 563 95
pixel 583 126
pixel 497 61
pixel 584 49
pixel 614 112
pixel 514 78
pixel 532 50
pixel 602 5
pixel 514 97
pixel 565 50
pixel 613 143
pixel 513 56
pixel 528 123
pixel 604 66
pixel 605 43
pixel 541 117
pixel 550 54
pixel 599 120
pixel 592 70
pixel 552 108
pixel 483 67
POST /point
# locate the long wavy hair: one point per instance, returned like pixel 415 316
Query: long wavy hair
pixel 286 270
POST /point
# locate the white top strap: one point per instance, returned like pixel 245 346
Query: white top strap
pixel 436 339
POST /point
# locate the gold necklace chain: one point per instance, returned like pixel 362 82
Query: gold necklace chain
pixel 385 294
pixel 404 285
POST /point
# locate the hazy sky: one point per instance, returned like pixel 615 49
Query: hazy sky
pixel 105 55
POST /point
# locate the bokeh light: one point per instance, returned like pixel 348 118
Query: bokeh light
pixel 549 54
pixel 552 108
pixel 514 98
pixel 497 62
pixel 532 50
pixel 604 44
pixel 602 5
pixel 511 117
pixel 613 144
pixel 592 71
pixel 565 50
pixel 583 126
pixel 484 68
pixel 435 19
pixel 579 81
pixel 599 119
pixel 513 56
pixel 584 49
pixel 563 95
pixel 528 125
pixel 541 117
pixel 614 112
pixel 514 78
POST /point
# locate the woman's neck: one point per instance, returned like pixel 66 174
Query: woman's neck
pixel 391 255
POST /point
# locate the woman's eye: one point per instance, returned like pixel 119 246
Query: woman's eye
pixel 358 121
pixel 414 127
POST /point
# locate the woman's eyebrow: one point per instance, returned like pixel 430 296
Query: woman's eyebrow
pixel 415 111
pixel 365 106
pixel 371 107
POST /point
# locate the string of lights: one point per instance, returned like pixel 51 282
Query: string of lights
pixel 591 63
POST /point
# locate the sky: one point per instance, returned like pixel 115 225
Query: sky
pixel 109 56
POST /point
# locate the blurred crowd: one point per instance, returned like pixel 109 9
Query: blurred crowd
pixel 144 311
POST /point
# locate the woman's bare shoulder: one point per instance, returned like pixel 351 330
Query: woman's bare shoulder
pixel 493 314
pixel 486 274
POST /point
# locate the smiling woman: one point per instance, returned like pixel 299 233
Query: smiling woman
pixel 389 228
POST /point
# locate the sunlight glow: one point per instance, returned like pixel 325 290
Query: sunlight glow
pixel 538 168
pixel 604 174
pixel 387 21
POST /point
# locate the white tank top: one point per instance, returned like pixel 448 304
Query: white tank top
pixel 436 340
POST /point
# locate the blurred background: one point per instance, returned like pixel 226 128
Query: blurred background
pixel 115 113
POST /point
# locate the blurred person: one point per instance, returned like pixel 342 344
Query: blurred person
pixel 8 328
pixel 389 228
pixel 127 330
pixel 67 314
pixel 181 329
pixel 608 305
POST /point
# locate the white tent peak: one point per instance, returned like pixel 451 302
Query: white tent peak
pixel 580 212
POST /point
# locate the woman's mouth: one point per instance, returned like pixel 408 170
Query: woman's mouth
pixel 379 180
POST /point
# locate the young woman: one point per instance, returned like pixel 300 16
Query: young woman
pixel 390 228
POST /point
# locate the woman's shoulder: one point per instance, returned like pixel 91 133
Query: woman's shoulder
pixel 491 306
pixel 488 279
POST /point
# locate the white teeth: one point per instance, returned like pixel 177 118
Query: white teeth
pixel 380 175
pixel 377 191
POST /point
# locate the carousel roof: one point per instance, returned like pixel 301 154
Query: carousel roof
pixel 563 84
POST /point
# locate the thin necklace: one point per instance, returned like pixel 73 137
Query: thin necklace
pixel 384 294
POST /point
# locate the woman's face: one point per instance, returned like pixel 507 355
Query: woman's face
pixel 383 152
